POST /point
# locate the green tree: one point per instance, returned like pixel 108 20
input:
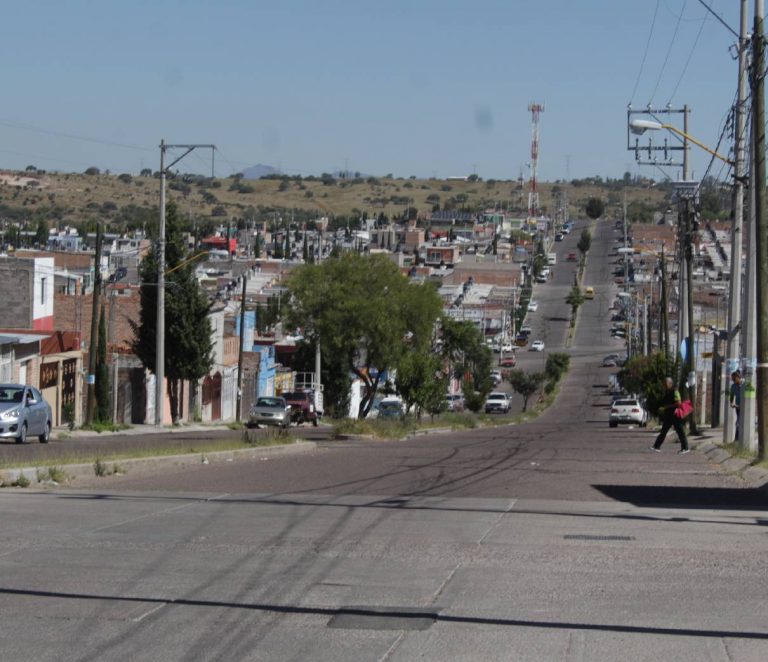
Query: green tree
pixel 644 376
pixel 585 242
pixel 525 383
pixel 595 208
pixel 469 359
pixel 188 342
pixel 41 234
pixel 421 382
pixel 364 312
pixel 102 413
pixel 574 299
pixel 556 366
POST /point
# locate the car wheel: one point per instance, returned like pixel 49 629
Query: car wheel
pixel 46 434
pixel 314 422
pixel 612 424
pixel 22 434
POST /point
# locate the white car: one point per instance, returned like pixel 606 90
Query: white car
pixel 627 410
pixel 497 402
pixel 24 412
pixel 496 377
pixel 533 306
pixel 507 346
pixel 537 346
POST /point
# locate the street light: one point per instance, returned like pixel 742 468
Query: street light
pixel 640 126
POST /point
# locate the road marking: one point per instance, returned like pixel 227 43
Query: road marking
pixel 149 613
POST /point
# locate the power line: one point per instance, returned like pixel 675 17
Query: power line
pixel 719 18
pixel 688 61
pixel 71 136
pixel 669 51
pixel 645 54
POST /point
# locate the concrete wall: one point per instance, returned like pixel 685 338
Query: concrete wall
pixel 16 280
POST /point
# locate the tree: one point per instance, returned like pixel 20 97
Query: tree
pixel 585 242
pixel 574 299
pixel 41 234
pixel 644 376
pixel 421 382
pixel 595 208
pixel 364 313
pixel 556 366
pixel 469 359
pixel 102 414
pixel 188 342
pixel 524 383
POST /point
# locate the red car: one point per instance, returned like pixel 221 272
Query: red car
pixel 508 362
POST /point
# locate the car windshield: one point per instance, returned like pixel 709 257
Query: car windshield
pixel 389 406
pixel 11 394
pixel 270 402
pixel 497 396
pixel 625 403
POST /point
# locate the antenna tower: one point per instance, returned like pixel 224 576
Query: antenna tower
pixel 533 192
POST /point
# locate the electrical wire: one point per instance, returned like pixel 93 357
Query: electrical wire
pixel 719 18
pixel 645 54
pixel 669 51
pixel 71 136
pixel 688 61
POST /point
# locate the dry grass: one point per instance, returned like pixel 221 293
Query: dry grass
pixel 80 197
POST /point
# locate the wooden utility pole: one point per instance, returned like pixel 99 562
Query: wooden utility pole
pixel 761 228
pixel 93 346
pixel 238 413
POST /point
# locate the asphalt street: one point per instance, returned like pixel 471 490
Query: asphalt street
pixel 559 539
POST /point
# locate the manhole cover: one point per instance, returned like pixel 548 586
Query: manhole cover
pixel 384 618
pixel 584 536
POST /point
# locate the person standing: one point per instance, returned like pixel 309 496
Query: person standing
pixel 669 403
pixel 734 397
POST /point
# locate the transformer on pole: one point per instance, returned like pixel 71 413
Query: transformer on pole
pixel 533 193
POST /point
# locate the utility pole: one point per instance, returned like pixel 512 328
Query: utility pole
pixel 92 350
pixel 238 413
pixel 734 299
pixel 664 305
pixel 761 227
pixel 160 332
pixel 747 413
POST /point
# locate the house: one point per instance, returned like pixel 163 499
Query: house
pixel 26 289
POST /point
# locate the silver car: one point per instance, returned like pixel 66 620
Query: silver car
pixel 24 412
pixel 270 411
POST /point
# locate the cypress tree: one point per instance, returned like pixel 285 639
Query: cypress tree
pixel 102 372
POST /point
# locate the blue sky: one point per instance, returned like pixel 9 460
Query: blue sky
pixel 412 87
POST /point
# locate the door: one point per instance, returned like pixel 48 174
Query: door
pixel 216 397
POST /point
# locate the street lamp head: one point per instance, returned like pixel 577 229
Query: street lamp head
pixel 639 127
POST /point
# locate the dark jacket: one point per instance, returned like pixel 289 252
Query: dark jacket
pixel 669 403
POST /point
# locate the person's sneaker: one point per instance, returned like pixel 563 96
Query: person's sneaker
pixel 683 451
pixel 654 449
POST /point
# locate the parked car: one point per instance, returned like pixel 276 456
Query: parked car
pixel 497 402
pixel 302 405
pixel 541 278
pixel 627 410
pixel 533 306
pixel 507 346
pixel 559 236
pixel 390 409
pixel 496 377
pixel 24 412
pixel 610 361
pixel 537 346
pixel 270 411
pixel 454 402
pixel 508 362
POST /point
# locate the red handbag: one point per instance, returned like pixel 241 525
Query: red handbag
pixel 683 409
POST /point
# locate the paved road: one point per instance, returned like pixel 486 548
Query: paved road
pixel 561 539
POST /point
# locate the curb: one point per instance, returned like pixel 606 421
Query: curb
pixel 36 475
pixel 428 431
pixel 757 476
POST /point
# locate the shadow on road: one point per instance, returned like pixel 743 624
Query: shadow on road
pixel 686 497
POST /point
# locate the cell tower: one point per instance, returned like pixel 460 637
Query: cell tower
pixel 533 193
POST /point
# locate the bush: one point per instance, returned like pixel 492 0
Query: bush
pixel 557 365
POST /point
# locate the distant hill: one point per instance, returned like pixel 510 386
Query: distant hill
pixel 260 170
